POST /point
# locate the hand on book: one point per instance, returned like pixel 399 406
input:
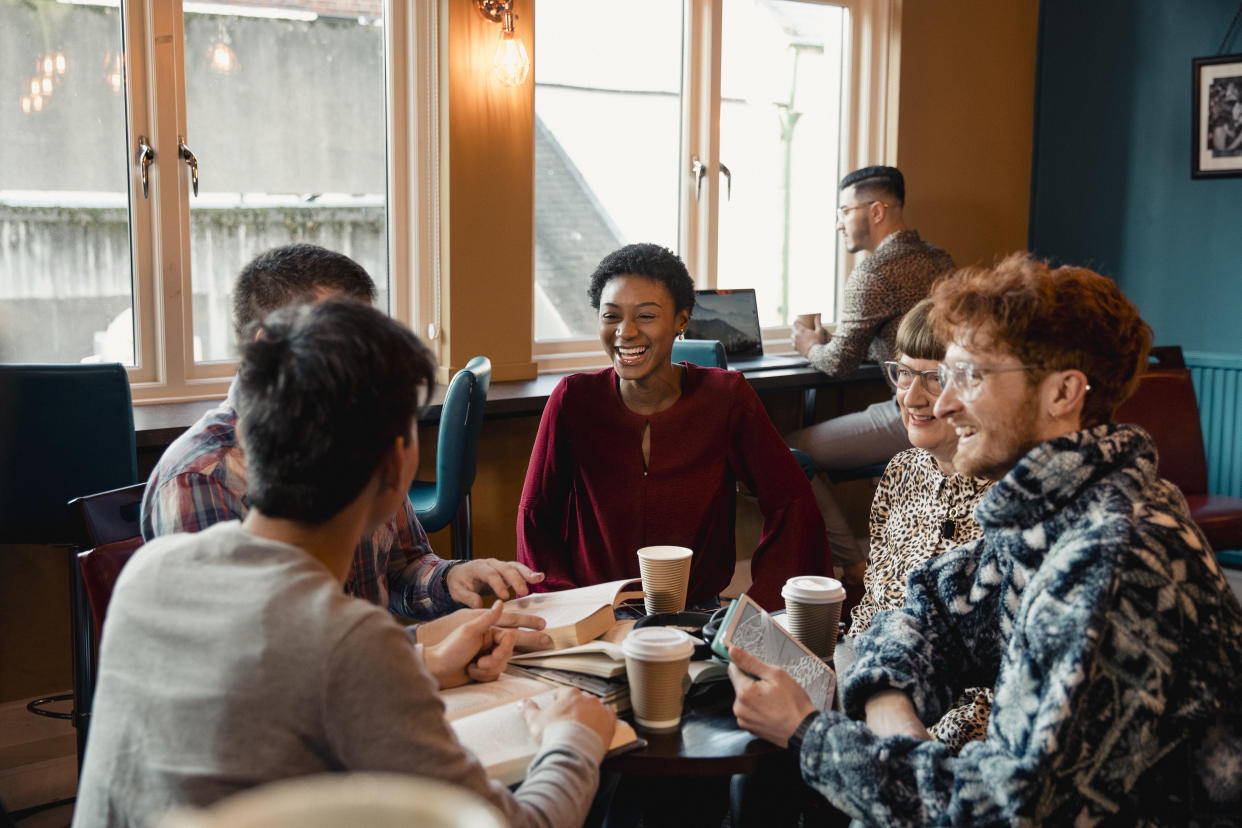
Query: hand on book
pixel 431 633
pixel 475 650
pixel 769 703
pixel 468 582
pixel 570 705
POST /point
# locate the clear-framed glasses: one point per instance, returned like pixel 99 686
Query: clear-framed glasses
pixel 967 378
pixel 842 212
pixel 902 377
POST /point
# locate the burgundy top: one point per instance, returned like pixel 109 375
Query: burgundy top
pixel 588 504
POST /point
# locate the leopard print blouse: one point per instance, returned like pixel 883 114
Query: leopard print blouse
pixel 919 513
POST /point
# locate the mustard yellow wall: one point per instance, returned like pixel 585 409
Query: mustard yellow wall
pixel 965 122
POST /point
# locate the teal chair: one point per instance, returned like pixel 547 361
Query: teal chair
pixel 709 353
pixel 447 500
pixel 66 431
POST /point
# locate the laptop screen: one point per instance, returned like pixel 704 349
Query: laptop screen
pixel 731 316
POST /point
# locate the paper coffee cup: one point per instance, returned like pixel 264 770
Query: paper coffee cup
pixel 809 320
pixel 813 607
pixel 666 574
pixel 656 662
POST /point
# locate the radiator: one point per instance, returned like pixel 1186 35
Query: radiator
pixel 1218 387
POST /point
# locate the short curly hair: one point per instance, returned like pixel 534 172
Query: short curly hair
pixel 1056 318
pixel 651 261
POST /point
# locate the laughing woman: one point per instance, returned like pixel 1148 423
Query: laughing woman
pixel 648 452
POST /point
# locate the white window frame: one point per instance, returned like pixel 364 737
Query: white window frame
pixel 868 136
pixel 159 225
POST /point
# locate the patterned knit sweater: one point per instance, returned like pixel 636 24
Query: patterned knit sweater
pixel 1096 609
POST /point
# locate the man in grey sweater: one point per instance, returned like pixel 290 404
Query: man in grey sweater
pixel 232 657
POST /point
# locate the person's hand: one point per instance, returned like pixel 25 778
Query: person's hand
pixel 803 337
pixel 769 703
pixel 433 632
pixel 890 713
pixel 474 650
pixel 570 705
pixel 468 582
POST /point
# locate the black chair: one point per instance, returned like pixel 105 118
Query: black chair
pixel 110 533
pixel 709 353
pixel 65 431
pixel 447 500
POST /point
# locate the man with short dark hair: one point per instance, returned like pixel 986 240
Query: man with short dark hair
pixel 896 274
pixel 1092 604
pixel 202 477
pixel 231 657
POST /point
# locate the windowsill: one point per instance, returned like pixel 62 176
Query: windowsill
pixel 158 424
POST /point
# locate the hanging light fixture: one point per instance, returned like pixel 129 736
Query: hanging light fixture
pixel 221 58
pixel 114 71
pixel 510 65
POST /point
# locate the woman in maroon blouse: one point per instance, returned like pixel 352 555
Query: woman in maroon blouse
pixel 648 452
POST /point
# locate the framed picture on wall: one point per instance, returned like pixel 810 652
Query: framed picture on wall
pixel 1217 113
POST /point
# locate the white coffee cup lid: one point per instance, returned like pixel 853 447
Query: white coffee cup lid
pixel 664 553
pixel 657 644
pixel 813 589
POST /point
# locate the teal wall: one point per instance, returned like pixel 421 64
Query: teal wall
pixel 1111 186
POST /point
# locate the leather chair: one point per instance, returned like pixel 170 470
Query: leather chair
pixel 1164 405
pixel 110 532
pixel 447 500
pixel 709 353
pixel 65 431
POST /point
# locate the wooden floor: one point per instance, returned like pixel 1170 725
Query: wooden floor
pixel 38 764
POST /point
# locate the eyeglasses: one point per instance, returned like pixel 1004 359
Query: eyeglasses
pixel 901 377
pixel 967 378
pixel 843 211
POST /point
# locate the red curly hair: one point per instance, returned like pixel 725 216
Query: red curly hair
pixel 1057 318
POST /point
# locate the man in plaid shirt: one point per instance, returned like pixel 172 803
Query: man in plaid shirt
pixel 201 478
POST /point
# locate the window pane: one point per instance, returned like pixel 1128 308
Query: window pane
pixel 286 116
pixel 66 284
pixel 607 129
pixel 780 112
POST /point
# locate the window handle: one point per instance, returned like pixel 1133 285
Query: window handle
pixel 699 169
pixel 190 161
pixel 146 156
pixel 728 182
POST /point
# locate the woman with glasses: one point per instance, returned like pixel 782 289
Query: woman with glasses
pixel 922 507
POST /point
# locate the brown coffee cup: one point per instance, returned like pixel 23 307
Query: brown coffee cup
pixel 666 574
pixel 813 610
pixel 808 320
pixel 656 663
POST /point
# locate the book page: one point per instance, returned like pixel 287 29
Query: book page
pixel 478 696
pixel 502 741
pixel 599 645
pixel 569 606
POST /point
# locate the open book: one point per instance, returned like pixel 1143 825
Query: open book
pixel 488 720
pixel 595 658
pixel 576 616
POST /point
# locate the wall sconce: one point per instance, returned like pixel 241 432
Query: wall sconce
pixel 510 65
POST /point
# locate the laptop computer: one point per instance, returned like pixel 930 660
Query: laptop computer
pixel 732 316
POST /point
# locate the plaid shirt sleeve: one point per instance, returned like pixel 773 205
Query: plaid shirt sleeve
pixel 189 502
pixel 416 575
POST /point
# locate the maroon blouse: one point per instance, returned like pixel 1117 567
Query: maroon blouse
pixel 588 504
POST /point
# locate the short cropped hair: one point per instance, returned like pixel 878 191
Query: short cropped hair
pixel 877 183
pixel 323 391
pixel 917 338
pixel 1055 318
pixel 650 261
pixel 291 274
